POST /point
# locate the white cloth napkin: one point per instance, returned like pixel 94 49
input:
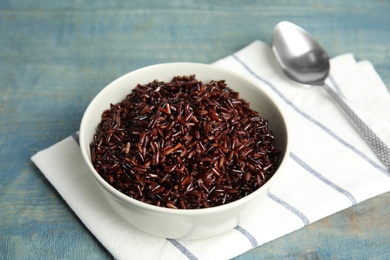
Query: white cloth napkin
pixel 330 166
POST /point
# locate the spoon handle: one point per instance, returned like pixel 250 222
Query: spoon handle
pixel 378 146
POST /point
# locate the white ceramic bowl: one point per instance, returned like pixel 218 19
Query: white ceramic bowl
pixel 183 223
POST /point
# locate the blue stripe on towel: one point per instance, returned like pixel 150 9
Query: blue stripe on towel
pixel 182 249
pixel 289 207
pixel 248 235
pixel 323 179
pixel 321 126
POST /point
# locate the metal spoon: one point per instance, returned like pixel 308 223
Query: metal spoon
pixel 304 60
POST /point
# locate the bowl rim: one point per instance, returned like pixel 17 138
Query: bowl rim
pixel 183 212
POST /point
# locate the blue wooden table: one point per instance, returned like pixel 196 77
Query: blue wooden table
pixel 56 55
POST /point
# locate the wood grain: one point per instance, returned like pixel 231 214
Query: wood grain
pixel 56 55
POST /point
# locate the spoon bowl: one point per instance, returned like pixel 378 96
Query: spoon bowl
pixel 304 60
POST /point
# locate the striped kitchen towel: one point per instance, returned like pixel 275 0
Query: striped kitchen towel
pixel 330 167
